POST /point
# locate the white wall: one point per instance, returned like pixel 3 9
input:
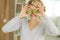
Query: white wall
pixel 52 7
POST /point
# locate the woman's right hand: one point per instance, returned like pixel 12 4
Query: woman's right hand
pixel 23 12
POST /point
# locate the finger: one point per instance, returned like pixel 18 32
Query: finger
pixel 26 6
pixel 37 4
pixel 22 6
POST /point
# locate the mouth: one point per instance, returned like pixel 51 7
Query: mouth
pixel 32 15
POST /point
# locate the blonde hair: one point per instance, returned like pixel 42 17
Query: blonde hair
pixel 35 1
pixel 30 1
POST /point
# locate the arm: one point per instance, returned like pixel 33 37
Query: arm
pixel 51 28
pixel 12 25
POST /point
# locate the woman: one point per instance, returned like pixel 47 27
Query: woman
pixel 36 27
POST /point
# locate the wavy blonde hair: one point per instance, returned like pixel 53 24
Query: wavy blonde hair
pixel 37 2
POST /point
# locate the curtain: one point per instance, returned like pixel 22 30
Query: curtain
pixel 6 13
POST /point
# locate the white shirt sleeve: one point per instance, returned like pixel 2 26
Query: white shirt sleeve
pixel 12 25
pixel 51 28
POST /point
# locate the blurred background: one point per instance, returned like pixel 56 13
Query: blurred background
pixel 10 8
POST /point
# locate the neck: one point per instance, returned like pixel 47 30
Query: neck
pixel 33 20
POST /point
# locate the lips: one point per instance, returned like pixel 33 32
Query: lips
pixel 33 15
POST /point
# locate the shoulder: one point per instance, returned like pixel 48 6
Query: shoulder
pixel 46 20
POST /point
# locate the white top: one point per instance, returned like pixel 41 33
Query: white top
pixel 38 33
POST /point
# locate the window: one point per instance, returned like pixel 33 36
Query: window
pixel 52 7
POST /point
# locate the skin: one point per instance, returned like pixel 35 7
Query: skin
pixel 33 22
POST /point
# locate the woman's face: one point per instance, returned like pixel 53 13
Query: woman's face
pixel 39 10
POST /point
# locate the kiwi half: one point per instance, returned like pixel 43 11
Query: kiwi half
pixel 34 11
pixel 31 11
pixel 40 17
